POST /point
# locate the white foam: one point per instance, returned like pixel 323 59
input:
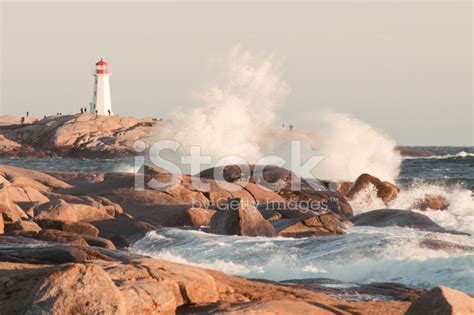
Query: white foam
pixel 464 154
pixel 217 264
pixel 364 254
pixel 125 168
pixel 314 269
pixel 157 237
pixel 232 116
pixel 458 216
pixel 366 200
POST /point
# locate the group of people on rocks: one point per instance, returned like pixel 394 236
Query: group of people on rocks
pixel 23 118
pixel 83 110
pixel 290 127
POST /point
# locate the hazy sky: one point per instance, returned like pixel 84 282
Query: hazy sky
pixel 404 67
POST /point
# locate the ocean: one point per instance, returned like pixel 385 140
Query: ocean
pixel 363 255
pixel 445 166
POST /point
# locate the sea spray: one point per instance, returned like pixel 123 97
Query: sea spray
pixel 366 200
pixel 236 116
pixel 232 116
pixel 352 147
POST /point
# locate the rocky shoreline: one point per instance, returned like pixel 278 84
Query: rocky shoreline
pixel 64 236
pixel 64 239
pixel 89 136
pixel 81 135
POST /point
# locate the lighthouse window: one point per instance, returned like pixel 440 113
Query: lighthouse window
pixel 95 93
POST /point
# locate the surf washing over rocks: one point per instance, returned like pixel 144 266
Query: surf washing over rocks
pixel 238 116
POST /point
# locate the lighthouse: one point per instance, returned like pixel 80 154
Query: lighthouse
pixel 101 103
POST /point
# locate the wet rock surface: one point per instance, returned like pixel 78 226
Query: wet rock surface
pixel 314 225
pixel 241 218
pixel 386 291
pixel 123 232
pixel 403 218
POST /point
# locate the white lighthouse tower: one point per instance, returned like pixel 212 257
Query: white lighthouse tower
pixel 101 103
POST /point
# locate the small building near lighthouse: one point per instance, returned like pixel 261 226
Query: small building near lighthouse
pixel 101 102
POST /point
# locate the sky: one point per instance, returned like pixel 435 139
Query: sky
pixel 404 67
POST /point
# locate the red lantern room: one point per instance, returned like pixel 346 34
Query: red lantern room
pixel 102 67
